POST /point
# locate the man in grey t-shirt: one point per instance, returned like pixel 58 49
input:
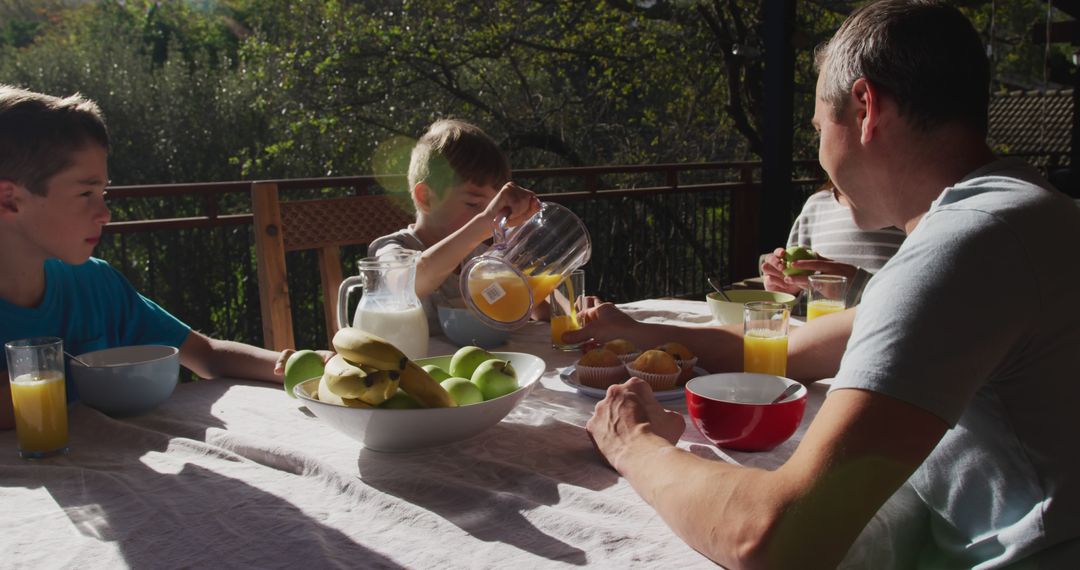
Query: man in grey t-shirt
pixel 951 419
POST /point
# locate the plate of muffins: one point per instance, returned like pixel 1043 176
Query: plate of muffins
pixel 665 368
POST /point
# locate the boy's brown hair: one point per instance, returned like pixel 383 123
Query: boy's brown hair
pixel 38 134
pixel 453 152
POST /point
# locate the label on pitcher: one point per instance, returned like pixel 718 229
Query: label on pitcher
pixel 492 293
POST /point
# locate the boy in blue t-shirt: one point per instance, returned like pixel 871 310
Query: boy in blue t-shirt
pixel 53 175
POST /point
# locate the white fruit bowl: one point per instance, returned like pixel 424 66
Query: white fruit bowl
pixel 406 430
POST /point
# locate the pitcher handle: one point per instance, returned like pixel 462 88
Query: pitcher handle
pixel 499 232
pixel 343 291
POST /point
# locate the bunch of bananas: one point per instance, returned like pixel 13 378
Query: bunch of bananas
pixel 367 370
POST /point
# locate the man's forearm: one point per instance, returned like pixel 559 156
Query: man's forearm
pixel 719 349
pixel 816 348
pixel 710 504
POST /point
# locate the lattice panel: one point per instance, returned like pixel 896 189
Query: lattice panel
pixel 309 224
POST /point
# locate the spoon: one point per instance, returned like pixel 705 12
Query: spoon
pixel 76 359
pixel 787 392
pixel 716 285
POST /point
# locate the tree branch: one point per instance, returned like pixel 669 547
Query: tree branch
pixel 543 141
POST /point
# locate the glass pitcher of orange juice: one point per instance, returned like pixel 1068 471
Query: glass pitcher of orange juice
pixel 524 265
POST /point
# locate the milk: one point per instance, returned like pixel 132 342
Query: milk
pixel 406 329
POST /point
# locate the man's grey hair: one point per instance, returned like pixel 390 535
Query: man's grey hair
pixel 923 53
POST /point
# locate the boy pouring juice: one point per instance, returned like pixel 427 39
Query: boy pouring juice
pixel 459 180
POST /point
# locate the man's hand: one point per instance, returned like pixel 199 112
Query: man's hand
pixel 603 322
pixel 629 411
pixel 517 203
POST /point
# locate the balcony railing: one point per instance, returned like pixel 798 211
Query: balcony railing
pixel 658 230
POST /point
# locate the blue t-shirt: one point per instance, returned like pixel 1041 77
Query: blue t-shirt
pixel 92 307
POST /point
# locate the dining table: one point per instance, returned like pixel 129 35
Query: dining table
pixel 234 473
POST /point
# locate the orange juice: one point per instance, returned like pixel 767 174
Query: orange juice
pixel 504 298
pixel 564 323
pixel 765 351
pixel 561 324
pixel 815 309
pixel 40 406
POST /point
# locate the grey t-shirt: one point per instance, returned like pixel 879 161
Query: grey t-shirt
pixel 448 293
pixel 975 319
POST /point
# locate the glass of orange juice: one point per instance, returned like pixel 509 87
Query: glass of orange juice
pixel 36 373
pixel 564 307
pixel 765 338
pixel 826 294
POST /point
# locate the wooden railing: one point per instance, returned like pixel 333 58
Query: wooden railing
pixel 658 230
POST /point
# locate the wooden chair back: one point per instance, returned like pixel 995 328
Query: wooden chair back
pixel 324 225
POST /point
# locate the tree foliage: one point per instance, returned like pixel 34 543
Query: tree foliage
pixel 203 90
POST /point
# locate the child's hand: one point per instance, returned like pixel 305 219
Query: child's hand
pixel 775 280
pixel 773 272
pixel 517 203
pixel 279 366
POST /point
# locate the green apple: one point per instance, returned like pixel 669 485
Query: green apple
pixel 797 253
pixel 495 378
pixel 400 401
pixel 463 391
pixel 467 359
pixel 302 365
pixel 436 372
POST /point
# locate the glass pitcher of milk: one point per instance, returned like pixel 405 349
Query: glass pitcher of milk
pixel 388 305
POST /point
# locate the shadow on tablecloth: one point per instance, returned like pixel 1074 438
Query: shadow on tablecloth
pixel 484 485
pixel 152 491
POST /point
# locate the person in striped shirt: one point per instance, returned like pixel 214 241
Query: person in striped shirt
pixel 825 225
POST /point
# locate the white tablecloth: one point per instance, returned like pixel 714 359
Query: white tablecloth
pixel 237 474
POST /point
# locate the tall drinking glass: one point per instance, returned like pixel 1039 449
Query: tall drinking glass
pixel 36 372
pixel 827 294
pixel 564 306
pixel 765 338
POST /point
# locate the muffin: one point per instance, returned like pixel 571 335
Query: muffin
pixel 683 357
pixel 624 349
pixel 656 367
pixel 600 368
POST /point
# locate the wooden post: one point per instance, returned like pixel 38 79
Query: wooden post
pixel 746 206
pixel 330 270
pixel 778 123
pixel 273 280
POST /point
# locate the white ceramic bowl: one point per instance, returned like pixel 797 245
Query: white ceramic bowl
pixel 731 312
pixel 127 380
pixel 405 430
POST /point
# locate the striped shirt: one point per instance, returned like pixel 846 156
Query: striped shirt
pixel 826 226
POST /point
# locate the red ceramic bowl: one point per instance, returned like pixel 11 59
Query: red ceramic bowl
pixel 733 411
